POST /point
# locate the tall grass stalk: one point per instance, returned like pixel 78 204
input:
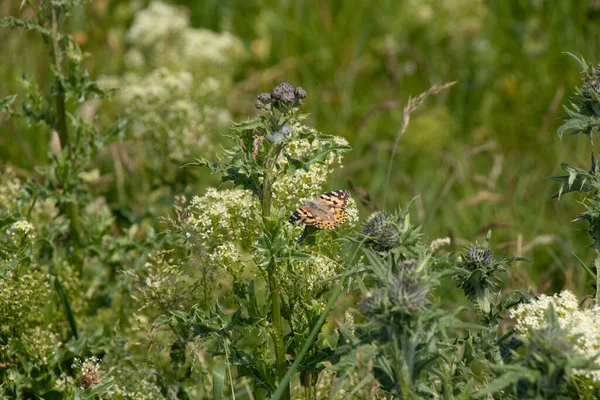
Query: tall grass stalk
pixel 411 105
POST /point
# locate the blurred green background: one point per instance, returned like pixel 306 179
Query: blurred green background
pixel 477 155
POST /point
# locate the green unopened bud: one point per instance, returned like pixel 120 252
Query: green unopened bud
pixel 373 303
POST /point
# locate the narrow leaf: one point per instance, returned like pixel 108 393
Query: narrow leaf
pixel 66 306
pixel 218 380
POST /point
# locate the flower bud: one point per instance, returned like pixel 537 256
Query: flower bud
pixel 477 257
pixel 382 231
pixel 407 293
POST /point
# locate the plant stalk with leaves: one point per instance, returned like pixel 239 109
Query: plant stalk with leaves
pixel 583 116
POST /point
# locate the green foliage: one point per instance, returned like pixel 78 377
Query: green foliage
pixel 230 300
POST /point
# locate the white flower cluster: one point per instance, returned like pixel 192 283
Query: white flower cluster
pixel 13 198
pixel 144 390
pixel 309 273
pixel 169 118
pixel 161 36
pixel 290 189
pixel 177 81
pixel 224 222
pixel 21 229
pixel 582 325
pixel 533 316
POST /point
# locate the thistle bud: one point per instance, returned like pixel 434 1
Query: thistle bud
pixel 284 93
pixel 407 293
pixel 264 98
pixel 382 231
pixel 300 93
pixel 373 303
pixel 477 257
pixel 407 267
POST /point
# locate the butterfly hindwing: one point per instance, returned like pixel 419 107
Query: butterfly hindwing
pixel 327 211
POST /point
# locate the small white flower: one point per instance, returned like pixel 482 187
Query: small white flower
pixel 22 228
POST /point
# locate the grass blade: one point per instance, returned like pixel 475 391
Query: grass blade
pixel 218 380
pixel 66 306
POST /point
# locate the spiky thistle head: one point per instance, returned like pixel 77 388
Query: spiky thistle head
pixel 373 303
pixel 407 266
pixel 408 294
pixel 382 231
pixel 477 257
pixel 591 83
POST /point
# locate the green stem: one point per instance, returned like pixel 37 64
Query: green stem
pixel 277 332
pixel 61 109
pixel 61 119
pixel 284 383
pixel 597 265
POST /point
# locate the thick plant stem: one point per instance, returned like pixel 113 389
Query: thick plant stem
pixel 61 109
pixel 277 333
pixel 284 383
pixel 61 119
pixel 275 293
pixel 597 265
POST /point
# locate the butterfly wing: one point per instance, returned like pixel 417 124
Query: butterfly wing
pixel 335 203
pixel 325 212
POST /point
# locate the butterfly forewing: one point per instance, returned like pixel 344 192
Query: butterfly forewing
pixel 325 212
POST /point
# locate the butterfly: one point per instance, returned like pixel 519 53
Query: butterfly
pixel 328 211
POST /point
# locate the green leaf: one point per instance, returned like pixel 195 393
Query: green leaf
pixel 93 391
pixel 66 306
pixel 6 102
pixel 219 371
pixel 587 269
pixel 248 125
pixel 12 22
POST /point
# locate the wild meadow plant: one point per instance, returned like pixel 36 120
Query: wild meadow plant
pixel 558 335
pixel 233 300
pixel 73 274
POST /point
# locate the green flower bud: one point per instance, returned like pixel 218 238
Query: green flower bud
pixel 373 303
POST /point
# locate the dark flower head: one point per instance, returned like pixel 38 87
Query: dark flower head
pixel 477 257
pixel 264 98
pixel 408 293
pixel 373 303
pixel 407 266
pixel 590 86
pixel 300 93
pixel 284 93
pixel 382 231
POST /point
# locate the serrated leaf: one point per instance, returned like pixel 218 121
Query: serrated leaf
pixel 12 22
pixel 6 102
pixel 248 125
